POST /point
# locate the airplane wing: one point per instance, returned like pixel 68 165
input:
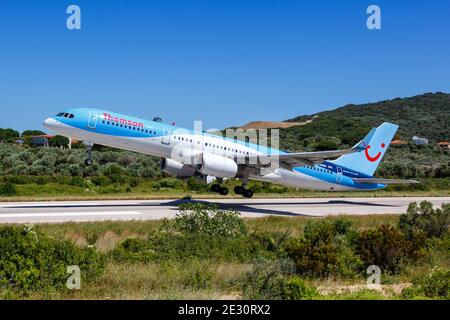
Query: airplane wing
pixel 292 160
pixel 383 181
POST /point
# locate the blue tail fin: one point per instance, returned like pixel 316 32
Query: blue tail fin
pixel 372 149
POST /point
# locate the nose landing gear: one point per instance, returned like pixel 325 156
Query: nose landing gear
pixel 88 162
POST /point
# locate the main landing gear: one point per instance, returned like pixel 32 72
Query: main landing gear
pixel 247 193
pixel 88 162
pixel 219 189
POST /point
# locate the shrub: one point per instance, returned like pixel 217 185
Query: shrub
pixel 77 182
pixel 133 250
pixel 272 241
pixel 134 170
pixel 195 184
pixel 172 183
pixel 297 289
pixel 198 275
pixel 325 249
pixel 134 182
pixel 18 180
pixel 208 219
pixel 424 218
pixel 7 189
pixel 388 248
pixel 114 172
pixel 313 258
pixel 101 181
pixel 435 284
pixel 267 280
pixel 348 263
pixel 33 261
pixel 176 246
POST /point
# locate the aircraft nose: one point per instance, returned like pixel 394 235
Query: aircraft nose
pixel 50 123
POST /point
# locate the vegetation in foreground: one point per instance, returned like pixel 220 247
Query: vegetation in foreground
pixel 209 253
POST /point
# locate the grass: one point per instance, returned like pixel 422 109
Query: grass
pixel 116 231
pixel 145 191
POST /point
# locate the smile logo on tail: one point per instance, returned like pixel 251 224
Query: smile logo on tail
pixel 373 159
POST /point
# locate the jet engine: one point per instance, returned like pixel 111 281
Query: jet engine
pixel 176 168
pixel 217 166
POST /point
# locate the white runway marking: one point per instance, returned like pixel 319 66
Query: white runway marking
pixel 67 214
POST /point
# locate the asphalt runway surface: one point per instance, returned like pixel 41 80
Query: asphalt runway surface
pixel 62 211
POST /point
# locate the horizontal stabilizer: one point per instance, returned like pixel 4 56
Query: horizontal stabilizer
pixel 384 181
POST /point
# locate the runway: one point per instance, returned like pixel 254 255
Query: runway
pixel 56 212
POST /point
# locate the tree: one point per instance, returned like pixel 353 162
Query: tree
pixel 58 141
pixel 29 133
pixel 8 135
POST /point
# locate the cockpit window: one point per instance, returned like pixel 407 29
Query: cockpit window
pixel 66 115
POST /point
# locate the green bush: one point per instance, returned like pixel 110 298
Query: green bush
pixel 388 248
pixel 133 182
pixel 435 284
pixel 33 261
pixel 114 172
pixel 297 289
pixel 348 263
pixel 313 258
pixel 21 180
pixel 172 183
pixel 134 250
pixel 102 181
pixel 327 248
pixel 77 182
pixel 272 241
pixel 209 219
pixel 176 246
pixel 195 184
pixel 424 218
pixel 7 189
pixel 267 280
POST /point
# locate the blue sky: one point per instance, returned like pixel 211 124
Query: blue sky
pixel 224 62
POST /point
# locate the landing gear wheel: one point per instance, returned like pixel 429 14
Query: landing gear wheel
pixel 247 193
pixel 223 191
pixel 239 189
pixel 88 162
pixel 215 188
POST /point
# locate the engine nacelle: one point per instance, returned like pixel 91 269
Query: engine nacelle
pixel 217 166
pixel 176 168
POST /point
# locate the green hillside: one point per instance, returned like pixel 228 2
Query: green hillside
pixel 426 115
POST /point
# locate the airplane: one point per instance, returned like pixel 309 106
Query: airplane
pixel 187 153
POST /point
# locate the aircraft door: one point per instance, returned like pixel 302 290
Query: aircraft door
pixel 339 174
pixel 92 121
pixel 166 137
